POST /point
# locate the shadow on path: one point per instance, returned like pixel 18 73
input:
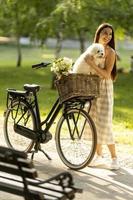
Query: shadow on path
pixel 97 183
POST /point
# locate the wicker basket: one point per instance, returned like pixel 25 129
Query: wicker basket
pixel 77 85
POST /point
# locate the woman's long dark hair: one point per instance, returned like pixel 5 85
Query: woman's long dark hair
pixel 111 44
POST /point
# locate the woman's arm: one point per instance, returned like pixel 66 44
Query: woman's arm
pixel 109 63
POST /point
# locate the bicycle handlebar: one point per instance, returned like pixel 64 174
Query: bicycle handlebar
pixel 39 65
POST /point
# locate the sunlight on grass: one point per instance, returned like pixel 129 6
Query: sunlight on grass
pixel 126 114
pixel 47 56
pixel 124 137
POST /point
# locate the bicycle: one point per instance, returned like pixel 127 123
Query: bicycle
pixel 75 134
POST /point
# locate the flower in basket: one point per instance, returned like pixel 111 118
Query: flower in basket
pixel 61 66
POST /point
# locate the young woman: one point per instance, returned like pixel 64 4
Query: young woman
pixel 102 107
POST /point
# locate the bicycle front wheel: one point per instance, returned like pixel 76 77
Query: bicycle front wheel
pixel 76 139
pixel 18 113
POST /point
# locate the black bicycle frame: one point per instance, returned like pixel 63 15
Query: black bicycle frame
pixel 50 117
pixel 52 114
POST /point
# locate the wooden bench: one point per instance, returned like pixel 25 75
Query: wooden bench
pixel 18 176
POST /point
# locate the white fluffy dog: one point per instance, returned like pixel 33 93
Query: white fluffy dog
pixel 97 51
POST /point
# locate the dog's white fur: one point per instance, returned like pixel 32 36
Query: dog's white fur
pixel 97 51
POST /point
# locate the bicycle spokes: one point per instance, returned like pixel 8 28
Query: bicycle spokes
pixel 20 113
pixel 76 138
pixel 75 126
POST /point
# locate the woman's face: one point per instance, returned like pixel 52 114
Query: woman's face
pixel 105 36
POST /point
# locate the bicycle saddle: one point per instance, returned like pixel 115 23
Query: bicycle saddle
pixel 31 87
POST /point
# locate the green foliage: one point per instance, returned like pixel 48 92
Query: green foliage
pixel 38 17
pixel 125 58
pixel 124 100
pixel 15 15
pixel 62 19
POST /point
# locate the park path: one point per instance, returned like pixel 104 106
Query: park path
pixel 97 183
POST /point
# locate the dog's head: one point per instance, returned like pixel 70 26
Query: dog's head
pixel 97 50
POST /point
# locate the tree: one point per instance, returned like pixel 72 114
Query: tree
pixel 117 12
pixel 17 17
pixel 61 19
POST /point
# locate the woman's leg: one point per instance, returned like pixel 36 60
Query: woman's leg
pixel 99 149
pixel 112 150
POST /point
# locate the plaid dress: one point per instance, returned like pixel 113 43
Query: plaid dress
pixel 102 112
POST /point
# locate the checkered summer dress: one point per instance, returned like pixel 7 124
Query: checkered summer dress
pixel 102 112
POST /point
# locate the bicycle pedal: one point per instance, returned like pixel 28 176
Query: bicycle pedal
pixel 46 137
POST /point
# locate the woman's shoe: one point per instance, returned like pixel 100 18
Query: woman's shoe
pixel 114 164
pixel 97 161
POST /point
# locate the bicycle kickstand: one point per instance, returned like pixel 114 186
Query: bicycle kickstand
pixel 37 148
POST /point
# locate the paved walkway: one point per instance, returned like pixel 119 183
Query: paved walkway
pixel 97 183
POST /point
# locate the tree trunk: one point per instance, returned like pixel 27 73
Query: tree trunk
pixel 57 53
pixel 82 39
pixel 58 44
pixel 19 59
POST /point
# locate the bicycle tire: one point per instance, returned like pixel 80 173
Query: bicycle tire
pixel 13 139
pixel 76 148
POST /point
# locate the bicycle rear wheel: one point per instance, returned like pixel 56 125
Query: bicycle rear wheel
pixel 76 139
pixel 18 113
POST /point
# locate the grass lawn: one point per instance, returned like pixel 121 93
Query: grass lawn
pixel 12 77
